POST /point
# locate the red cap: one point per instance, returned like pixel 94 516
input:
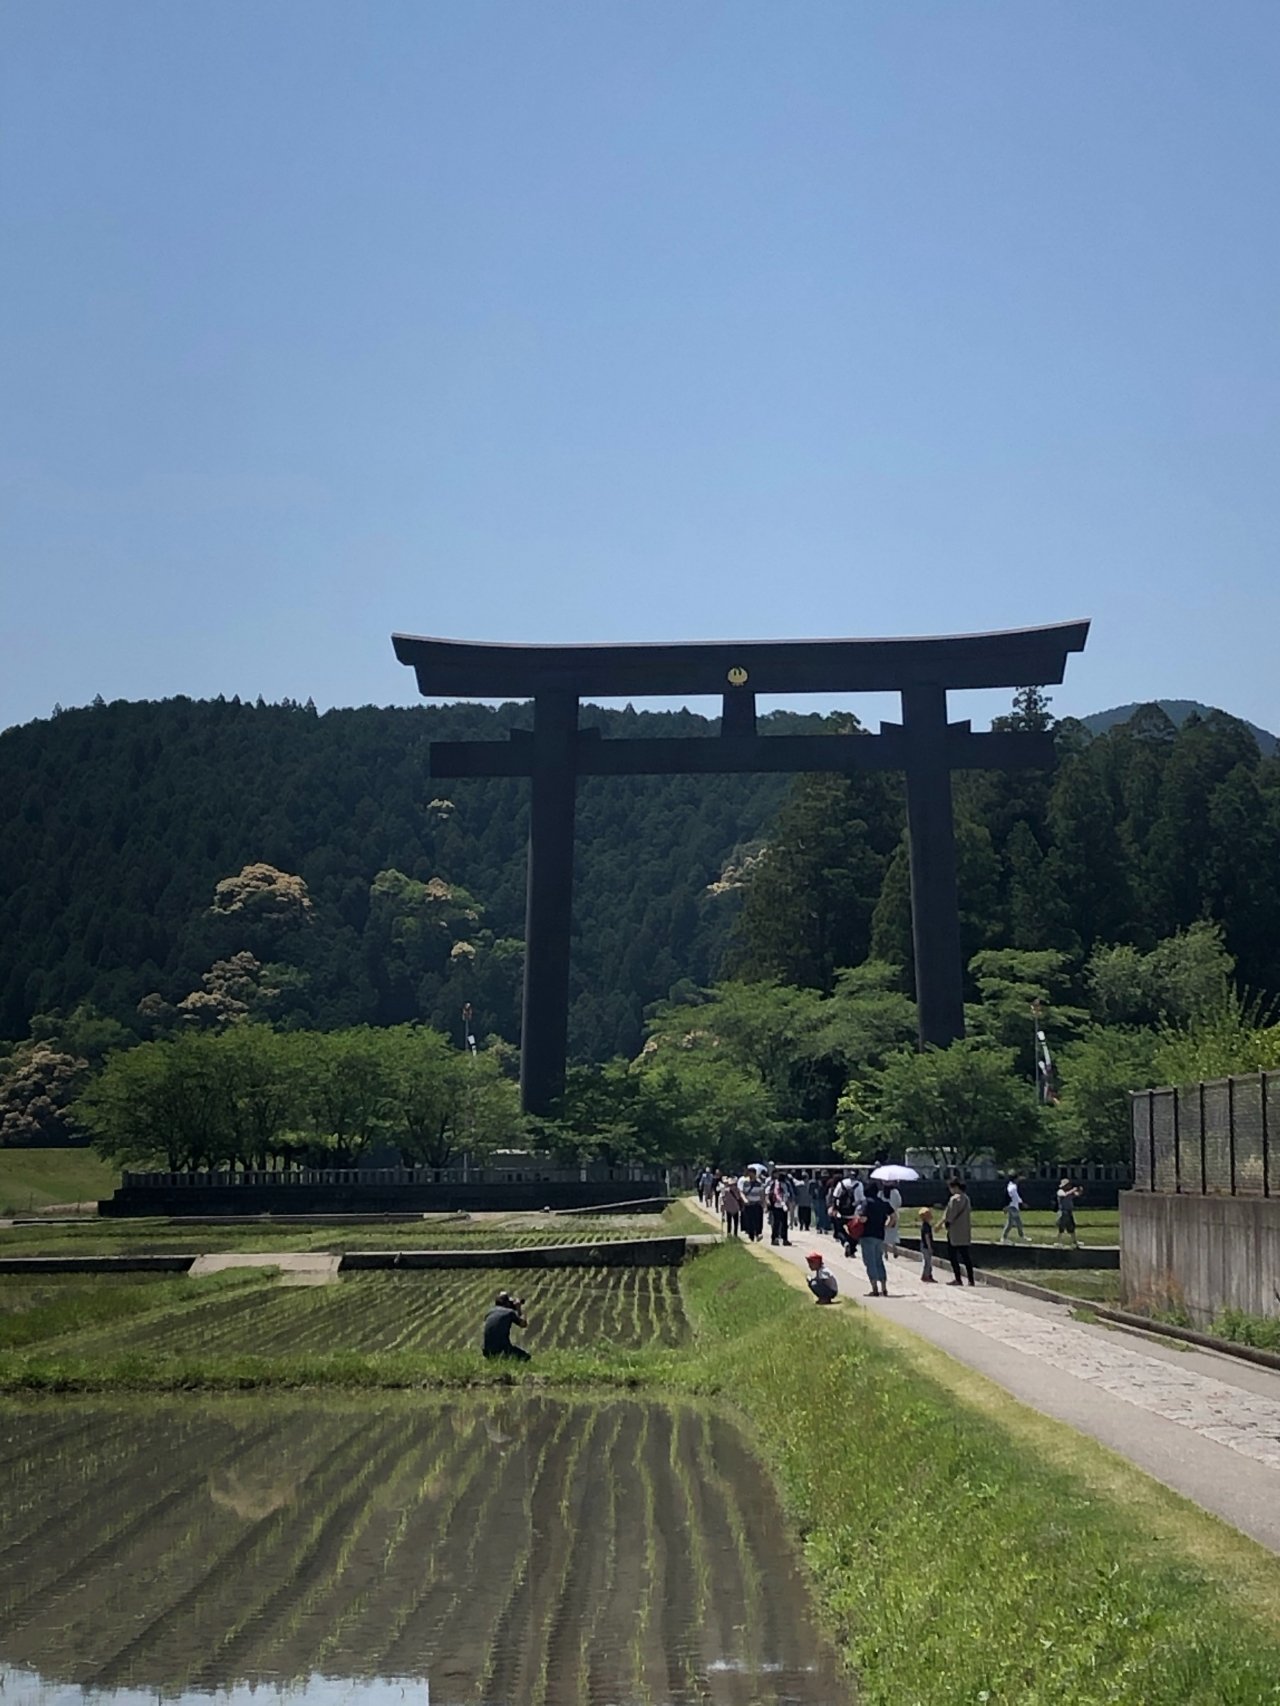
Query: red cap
pixel 814 1256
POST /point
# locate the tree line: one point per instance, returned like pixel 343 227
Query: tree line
pixel 254 1098
pixel 759 977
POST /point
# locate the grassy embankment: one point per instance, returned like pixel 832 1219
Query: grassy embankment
pixel 963 1548
pixel 32 1179
pixel 1093 1225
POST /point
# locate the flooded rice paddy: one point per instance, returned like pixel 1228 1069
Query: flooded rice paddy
pixel 496 1550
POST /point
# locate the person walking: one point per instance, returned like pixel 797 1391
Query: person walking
pixel 1013 1212
pixel 751 1188
pixel 1067 1197
pixel 843 1205
pixel 731 1205
pixel 779 1222
pixel 804 1203
pixel 958 1220
pixel 893 1232
pixel 821 1190
pixel 877 1212
pixel 926 1246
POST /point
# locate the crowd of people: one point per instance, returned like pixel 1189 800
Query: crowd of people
pixel 861 1215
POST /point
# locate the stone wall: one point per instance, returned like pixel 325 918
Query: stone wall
pixel 1206 1253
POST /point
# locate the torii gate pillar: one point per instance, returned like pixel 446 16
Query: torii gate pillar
pixel 548 917
pixel 931 841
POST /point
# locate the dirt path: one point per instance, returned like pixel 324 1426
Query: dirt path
pixel 1206 1425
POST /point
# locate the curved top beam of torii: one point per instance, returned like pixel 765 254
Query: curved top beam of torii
pixel 1014 657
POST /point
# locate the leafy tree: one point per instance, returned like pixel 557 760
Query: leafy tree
pixel 260 1073
pixel 85 1032
pixel 1236 1035
pixel 1181 849
pixel 1099 1069
pixel 1087 861
pixel 1021 991
pixel 349 1100
pixel 701 1104
pixel 865 1019
pixel 38 1086
pixel 445 1100
pixel 959 1102
pixel 235 989
pixel 161 1102
pixel 261 894
pixel 812 893
pixel 1184 975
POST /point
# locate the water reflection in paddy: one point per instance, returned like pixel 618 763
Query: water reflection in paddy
pixel 496 1551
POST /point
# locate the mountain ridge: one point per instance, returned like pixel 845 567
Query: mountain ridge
pixel 1177 711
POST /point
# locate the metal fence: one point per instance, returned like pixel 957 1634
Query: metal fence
pixel 286 1178
pixel 1212 1139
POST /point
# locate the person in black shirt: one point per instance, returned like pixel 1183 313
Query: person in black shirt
pixel 878 1213
pixel 507 1312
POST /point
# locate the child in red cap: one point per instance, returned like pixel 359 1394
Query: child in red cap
pixel 822 1282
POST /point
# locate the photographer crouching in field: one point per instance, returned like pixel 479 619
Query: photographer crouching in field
pixel 507 1312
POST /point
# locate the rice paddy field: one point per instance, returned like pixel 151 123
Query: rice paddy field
pixel 702 1489
pixel 95 1237
pixel 428 1311
pixel 510 1550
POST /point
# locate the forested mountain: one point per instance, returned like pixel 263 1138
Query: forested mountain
pixel 1177 710
pixel 192 860
pixel 120 819
pixel 1138 834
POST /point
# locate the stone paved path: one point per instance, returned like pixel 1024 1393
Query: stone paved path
pixel 297 1267
pixel 1205 1424
pixel 1219 1411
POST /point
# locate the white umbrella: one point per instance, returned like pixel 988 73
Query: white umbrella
pixel 894 1174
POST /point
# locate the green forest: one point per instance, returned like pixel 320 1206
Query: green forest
pixel 174 872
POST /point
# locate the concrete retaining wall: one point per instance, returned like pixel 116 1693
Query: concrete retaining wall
pixel 1207 1253
pixel 619 1253
pixel 990 1254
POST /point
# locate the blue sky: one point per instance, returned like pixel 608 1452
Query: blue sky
pixel 634 321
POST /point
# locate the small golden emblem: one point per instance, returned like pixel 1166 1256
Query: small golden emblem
pixel 737 676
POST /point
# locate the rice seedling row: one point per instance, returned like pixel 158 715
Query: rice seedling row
pixel 420 1496
pixel 242 1574
pixel 506 1549
pixel 316 1558
pixel 429 1311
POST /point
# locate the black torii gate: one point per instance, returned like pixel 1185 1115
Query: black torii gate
pixel 925 746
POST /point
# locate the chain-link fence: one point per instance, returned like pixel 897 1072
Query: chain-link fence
pixel 1213 1139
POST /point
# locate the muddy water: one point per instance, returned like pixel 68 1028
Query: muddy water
pixel 495 1552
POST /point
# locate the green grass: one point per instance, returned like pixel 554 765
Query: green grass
pixel 966 1550
pixel 31 1179
pixel 1091 1285
pixel 1093 1225
pixel 43 1308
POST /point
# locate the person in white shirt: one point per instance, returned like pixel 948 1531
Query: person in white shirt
pixel 1013 1213
pixel 892 1234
